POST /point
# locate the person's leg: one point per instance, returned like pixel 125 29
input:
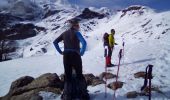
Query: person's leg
pixel 110 55
pixel 67 67
pixel 67 77
pixel 81 82
pixel 78 65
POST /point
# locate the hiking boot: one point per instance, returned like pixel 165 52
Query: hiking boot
pixel 109 65
pixel 112 64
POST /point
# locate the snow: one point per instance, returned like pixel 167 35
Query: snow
pixel 141 48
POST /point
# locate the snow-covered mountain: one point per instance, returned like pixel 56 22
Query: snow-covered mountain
pixel 145 32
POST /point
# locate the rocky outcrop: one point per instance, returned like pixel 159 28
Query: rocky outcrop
pixel 6 19
pixel 28 88
pixel 132 10
pixel 88 14
pixel 22 31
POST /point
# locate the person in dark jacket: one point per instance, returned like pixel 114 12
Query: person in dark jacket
pixel 107 49
pixel 72 53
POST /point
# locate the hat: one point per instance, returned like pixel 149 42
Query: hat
pixel 74 22
pixel 112 31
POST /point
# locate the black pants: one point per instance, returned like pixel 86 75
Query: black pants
pixel 72 60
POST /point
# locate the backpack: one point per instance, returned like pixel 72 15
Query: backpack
pixel 106 39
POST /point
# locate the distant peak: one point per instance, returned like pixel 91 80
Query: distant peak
pixel 135 9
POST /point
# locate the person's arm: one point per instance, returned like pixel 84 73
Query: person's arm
pixel 56 41
pixel 83 42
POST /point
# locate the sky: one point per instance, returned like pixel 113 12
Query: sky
pixel 158 5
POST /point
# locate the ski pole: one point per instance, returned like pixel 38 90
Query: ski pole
pixel 150 78
pixel 105 77
pixel 120 56
pixel 148 75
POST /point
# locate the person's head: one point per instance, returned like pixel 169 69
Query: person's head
pixel 74 24
pixel 113 31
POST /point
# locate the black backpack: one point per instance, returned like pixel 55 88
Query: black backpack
pixel 106 38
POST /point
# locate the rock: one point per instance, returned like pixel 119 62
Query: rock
pixel 132 94
pixel 97 81
pixel 25 88
pixel 107 75
pixel 92 80
pixel 140 75
pixel 62 77
pixel 31 95
pixel 36 97
pixel 47 80
pixel 89 78
pixel 21 82
pixel 115 86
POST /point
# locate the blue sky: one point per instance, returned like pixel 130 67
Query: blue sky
pixel 158 5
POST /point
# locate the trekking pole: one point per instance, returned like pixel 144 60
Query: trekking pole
pixel 105 77
pixel 120 56
pixel 148 75
pixel 150 78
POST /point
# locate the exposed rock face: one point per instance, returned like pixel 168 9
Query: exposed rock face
pixel 88 14
pixel 6 19
pixel 22 31
pixel 11 30
pixel 132 10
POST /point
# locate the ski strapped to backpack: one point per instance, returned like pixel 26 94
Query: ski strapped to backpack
pixel 148 75
pixel 120 56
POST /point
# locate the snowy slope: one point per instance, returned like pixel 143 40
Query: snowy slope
pixel 146 36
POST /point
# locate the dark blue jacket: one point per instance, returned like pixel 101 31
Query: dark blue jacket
pixel 72 40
